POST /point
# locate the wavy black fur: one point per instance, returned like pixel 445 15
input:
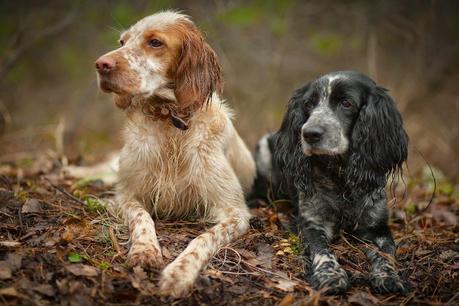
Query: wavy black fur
pixel 338 182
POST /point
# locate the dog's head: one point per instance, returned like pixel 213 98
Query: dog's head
pixel 347 114
pixel 161 55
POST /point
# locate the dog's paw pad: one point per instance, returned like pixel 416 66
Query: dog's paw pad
pixel 332 280
pixel 145 257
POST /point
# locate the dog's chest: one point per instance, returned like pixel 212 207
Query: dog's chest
pixel 166 167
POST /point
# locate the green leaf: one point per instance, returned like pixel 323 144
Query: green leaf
pixel 410 208
pixel 103 265
pixel 94 205
pixel 74 257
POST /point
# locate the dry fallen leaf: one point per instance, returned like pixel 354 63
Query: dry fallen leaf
pixel 265 255
pixel 10 291
pixel 284 284
pixel 82 270
pixel 14 261
pixel 287 300
pixel 31 206
pixel 45 289
pixel 5 271
pixel 10 244
pixel 363 299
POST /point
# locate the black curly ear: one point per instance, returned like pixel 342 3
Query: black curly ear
pixel 379 143
pixel 288 155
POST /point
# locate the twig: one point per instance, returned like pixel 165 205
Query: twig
pixel 9 62
pixel 65 192
pixel 114 241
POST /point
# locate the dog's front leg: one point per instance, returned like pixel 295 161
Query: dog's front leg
pixel 325 272
pixel 384 276
pixel 179 276
pixel 228 210
pixel 145 250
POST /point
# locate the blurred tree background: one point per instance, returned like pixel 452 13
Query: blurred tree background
pixel 49 97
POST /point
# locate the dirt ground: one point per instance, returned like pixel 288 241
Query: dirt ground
pixel 58 245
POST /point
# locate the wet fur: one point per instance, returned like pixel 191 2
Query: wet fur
pixel 341 192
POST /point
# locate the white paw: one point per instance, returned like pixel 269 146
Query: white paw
pixel 145 256
pixel 176 280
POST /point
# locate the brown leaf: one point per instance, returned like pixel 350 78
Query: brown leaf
pixel 137 277
pixel 10 244
pixel 246 253
pixel 236 289
pixel 363 299
pixel 14 261
pixel 5 271
pixel 166 253
pixel 287 300
pixel 445 255
pixel 10 291
pixel 443 214
pixel 265 255
pixel 82 270
pixel 45 289
pixel 284 284
pixel 31 206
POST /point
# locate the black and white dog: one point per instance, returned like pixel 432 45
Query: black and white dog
pixel 341 138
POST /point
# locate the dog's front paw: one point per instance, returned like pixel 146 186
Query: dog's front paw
pixel 333 279
pixel 175 281
pixel 147 257
pixel 387 281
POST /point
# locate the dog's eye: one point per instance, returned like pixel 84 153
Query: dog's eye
pixel 155 43
pixel 346 104
pixel 121 42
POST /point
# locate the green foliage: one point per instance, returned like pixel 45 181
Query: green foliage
pixel 410 208
pixel 94 205
pixel 72 62
pixel 103 265
pixel 74 257
pixel 124 14
pixel 82 183
pixel 434 178
pixel 241 15
pixel 326 43
pixel 295 243
pixel 21 195
pixel 103 237
pixel 271 13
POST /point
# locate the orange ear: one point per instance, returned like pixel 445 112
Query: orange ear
pixel 198 73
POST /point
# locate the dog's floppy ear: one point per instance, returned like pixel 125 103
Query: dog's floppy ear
pixel 198 74
pixel 379 142
pixel 289 157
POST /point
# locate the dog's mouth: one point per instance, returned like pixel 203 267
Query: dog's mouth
pixel 108 87
pixel 323 148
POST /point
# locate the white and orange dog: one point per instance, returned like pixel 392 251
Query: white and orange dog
pixel 182 156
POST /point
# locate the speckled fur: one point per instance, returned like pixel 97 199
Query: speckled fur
pixel 337 181
pixel 170 173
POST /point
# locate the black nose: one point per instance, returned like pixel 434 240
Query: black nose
pixel 313 134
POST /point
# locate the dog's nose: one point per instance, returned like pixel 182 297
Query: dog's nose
pixel 313 134
pixel 105 64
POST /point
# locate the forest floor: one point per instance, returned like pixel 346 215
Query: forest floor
pixel 58 245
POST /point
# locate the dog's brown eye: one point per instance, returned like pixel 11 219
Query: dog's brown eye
pixel 121 42
pixel 155 43
pixel 346 104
